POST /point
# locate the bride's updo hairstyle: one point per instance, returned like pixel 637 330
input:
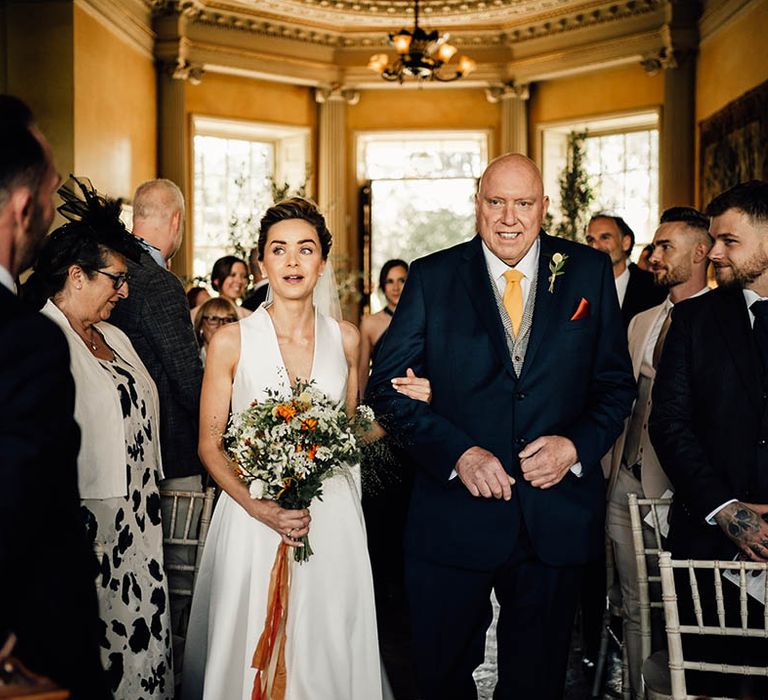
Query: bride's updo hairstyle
pixel 294 208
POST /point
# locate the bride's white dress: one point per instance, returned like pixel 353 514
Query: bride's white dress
pixel 331 647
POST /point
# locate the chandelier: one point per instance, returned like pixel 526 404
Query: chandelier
pixel 420 55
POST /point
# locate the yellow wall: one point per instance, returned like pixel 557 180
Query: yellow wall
pixel 115 109
pixel 592 94
pixel 38 54
pixel 234 97
pixel 731 62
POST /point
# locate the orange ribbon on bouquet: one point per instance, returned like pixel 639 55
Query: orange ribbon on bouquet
pixel 269 657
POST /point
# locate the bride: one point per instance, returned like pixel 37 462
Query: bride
pixel 331 650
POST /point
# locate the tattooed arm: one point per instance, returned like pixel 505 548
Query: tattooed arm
pixel 745 524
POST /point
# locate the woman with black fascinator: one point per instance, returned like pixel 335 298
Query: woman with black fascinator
pixel 80 276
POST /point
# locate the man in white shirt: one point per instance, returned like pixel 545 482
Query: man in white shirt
pixel 679 265
pixel 634 287
pixel 709 422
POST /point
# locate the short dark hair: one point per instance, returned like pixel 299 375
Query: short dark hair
pixel 387 266
pixel 749 197
pixel 222 269
pixel 623 226
pixel 689 216
pixel 23 162
pixel 295 208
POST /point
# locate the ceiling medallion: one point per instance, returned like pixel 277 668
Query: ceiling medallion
pixel 420 55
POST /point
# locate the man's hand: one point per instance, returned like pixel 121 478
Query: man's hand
pixel 481 472
pixel 413 387
pixel 546 460
pixel 745 524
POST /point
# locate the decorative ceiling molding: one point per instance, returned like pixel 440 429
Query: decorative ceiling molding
pixel 261 38
pixel 131 20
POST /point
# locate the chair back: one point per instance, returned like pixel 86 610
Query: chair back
pixel 646 558
pixel 700 574
pixel 179 530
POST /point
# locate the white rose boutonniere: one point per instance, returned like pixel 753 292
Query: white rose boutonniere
pixel 555 269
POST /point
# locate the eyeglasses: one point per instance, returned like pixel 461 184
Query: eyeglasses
pixel 117 280
pixel 218 320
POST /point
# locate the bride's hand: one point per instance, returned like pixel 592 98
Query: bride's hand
pixel 291 525
pixel 413 387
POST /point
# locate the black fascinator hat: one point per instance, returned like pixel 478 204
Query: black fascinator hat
pixel 96 215
pixel 93 231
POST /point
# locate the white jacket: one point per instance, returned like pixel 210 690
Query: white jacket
pixel 101 464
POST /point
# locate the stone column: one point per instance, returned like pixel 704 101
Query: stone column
pixel 513 100
pixel 332 161
pixel 678 133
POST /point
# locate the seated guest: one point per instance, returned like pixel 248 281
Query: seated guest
pixel 81 275
pixel 707 423
pixel 372 327
pixel 679 264
pixel 48 605
pixel 197 296
pixel 635 288
pixel 229 278
pixel 213 314
pixel 258 294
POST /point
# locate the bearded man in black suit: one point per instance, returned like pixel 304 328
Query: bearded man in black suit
pixel 709 421
pixel 47 569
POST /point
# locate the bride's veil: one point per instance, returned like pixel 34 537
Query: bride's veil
pixel 326 294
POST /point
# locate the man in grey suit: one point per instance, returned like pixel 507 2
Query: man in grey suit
pixel 679 265
pixel 155 316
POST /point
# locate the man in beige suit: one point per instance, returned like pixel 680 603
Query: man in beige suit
pixel 679 265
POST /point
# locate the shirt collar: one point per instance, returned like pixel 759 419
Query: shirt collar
pixel 750 297
pixel 6 279
pixel 154 252
pixel 527 265
pixel 668 303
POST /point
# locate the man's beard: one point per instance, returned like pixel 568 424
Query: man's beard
pixel 673 275
pixel 743 274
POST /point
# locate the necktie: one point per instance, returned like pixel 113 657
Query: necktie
pixel 760 329
pixel 662 337
pixel 513 298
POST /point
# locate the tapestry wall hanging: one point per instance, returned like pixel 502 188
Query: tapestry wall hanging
pixel 734 144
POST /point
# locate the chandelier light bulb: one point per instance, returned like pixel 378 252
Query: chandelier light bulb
pixel 402 41
pixel 467 65
pixel 446 52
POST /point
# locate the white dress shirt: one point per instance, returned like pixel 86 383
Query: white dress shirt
pixel 622 282
pixel 6 279
pixel 528 266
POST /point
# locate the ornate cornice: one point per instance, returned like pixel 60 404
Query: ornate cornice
pixel 128 19
pixel 718 13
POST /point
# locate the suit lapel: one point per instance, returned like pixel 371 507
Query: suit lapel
pixel 733 319
pixel 474 274
pixel 545 301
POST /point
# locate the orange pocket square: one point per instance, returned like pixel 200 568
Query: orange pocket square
pixel 582 311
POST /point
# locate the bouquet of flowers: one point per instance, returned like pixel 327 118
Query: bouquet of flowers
pixel 285 447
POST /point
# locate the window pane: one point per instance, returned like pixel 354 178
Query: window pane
pixel 231 181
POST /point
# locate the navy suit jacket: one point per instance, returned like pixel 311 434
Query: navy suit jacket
pixel 576 381
pixel 155 316
pixel 47 566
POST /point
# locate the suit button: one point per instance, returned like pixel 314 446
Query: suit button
pixel 763 442
pixel 520 395
pixel 520 441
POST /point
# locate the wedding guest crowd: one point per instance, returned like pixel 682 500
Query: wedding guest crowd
pixel 542 357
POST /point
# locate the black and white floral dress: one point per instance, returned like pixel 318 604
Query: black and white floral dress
pixel 128 539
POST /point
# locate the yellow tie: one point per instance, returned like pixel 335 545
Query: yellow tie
pixel 513 298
